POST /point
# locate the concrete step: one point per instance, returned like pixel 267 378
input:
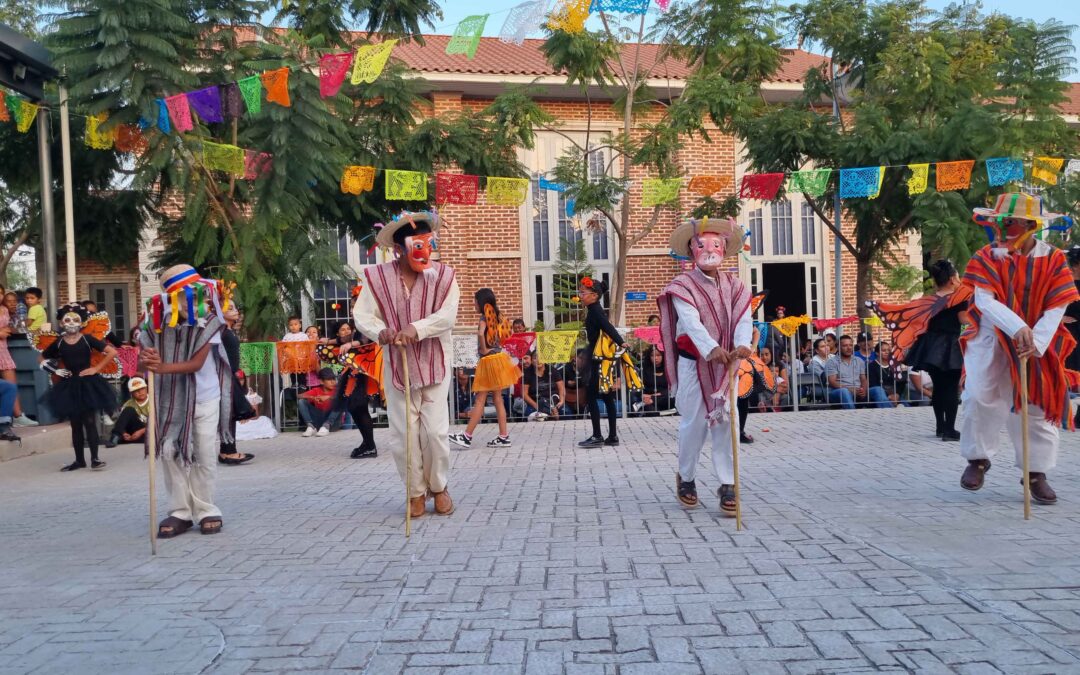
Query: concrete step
pixel 37 441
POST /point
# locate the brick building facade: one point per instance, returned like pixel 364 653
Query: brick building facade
pixel 514 250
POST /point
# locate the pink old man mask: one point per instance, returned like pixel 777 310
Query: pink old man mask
pixel 418 250
pixel 708 249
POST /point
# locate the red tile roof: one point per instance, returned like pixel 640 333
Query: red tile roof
pixel 1072 105
pixel 495 57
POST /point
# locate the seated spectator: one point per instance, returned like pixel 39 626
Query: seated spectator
pixel 863 352
pixel 820 360
pixel 656 394
pixel 780 397
pixel 653 320
pixel 830 339
pixel 258 426
pixel 518 326
pixel 517 404
pixel 921 389
pixel 543 391
pixel 847 379
pixel 574 401
pixel 463 397
pixel 130 426
pixel 881 374
pixel 316 404
pixel 312 333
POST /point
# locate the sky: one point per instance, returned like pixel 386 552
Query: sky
pixel 1066 11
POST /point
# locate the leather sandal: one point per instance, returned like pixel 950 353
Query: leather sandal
pixel 444 505
pixel 974 474
pixel 1040 488
pixel 210 525
pixel 727 499
pixel 417 506
pixel 686 490
pixel 175 526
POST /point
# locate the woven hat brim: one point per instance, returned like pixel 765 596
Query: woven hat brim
pixel 385 237
pixel 685 231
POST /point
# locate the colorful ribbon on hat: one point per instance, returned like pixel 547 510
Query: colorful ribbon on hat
pixel 180 280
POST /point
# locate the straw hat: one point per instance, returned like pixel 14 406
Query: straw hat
pixel 725 227
pixel 385 237
pixel 1015 205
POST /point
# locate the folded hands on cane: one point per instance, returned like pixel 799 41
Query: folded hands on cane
pixel 1025 343
pixel 721 355
pixel 405 336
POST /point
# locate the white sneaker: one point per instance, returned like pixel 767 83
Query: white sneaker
pixel 540 417
pixel 636 407
pixel 323 431
pixel 23 421
pixel 461 439
pixel 500 442
pixel 533 415
pixel 309 432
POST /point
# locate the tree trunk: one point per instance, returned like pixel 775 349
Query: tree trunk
pixel 863 269
pixel 618 296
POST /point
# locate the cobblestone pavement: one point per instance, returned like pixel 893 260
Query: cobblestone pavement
pixel 860 553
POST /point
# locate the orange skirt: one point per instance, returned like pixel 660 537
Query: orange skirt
pixel 495 372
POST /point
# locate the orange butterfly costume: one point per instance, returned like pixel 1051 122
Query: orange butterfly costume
pixel 909 321
pixel 754 375
pixel 97 326
pixel 494 371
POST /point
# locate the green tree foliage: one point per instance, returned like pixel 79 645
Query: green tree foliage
pixel 731 46
pixel 570 268
pixel 916 86
pixel 273 235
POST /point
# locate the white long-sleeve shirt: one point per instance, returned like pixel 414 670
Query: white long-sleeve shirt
pixel 689 324
pixel 369 319
pixel 1009 322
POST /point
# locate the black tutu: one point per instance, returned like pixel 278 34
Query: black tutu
pixel 935 350
pixel 75 395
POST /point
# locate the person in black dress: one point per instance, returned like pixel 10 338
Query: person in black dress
pixel 241 408
pixel 81 393
pixel 1072 316
pixel 596 322
pixel 937 351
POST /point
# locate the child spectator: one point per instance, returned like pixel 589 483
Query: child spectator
pixel 462 394
pixel 312 333
pixel 295 333
pixel 316 404
pixel 7 364
pixel 518 326
pixel 35 312
pixel 543 391
pixel 130 426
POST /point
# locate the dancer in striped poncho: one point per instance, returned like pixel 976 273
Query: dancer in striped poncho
pixel 1022 287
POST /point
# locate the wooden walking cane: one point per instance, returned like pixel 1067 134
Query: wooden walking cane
pixel 1024 434
pixel 151 444
pixel 408 441
pixel 735 440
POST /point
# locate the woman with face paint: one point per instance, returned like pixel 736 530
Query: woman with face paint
pixel 706 329
pixel 81 394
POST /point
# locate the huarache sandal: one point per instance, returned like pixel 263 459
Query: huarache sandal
pixel 727 499
pixel 686 491
pixel 172 527
pixel 1041 491
pixel 210 525
pixel 974 473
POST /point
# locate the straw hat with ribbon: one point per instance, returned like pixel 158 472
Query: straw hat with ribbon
pixel 725 227
pixel 184 287
pixel 1016 205
pixel 385 237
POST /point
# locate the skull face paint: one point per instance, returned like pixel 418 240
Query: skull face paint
pixel 71 323
pixel 708 251
pixel 418 249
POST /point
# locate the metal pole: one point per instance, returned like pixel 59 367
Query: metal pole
pixel 793 387
pixel 838 302
pixel 48 229
pixel 69 205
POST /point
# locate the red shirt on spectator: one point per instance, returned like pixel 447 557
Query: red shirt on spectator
pixel 321 397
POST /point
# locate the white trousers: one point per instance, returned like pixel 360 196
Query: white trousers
pixel 190 489
pixel 987 404
pixel 429 431
pixel 694 429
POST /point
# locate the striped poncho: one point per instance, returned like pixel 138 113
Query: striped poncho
pixel 1030 286
pixel 174 395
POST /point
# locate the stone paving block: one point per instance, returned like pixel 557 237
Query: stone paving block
pixel 558 568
